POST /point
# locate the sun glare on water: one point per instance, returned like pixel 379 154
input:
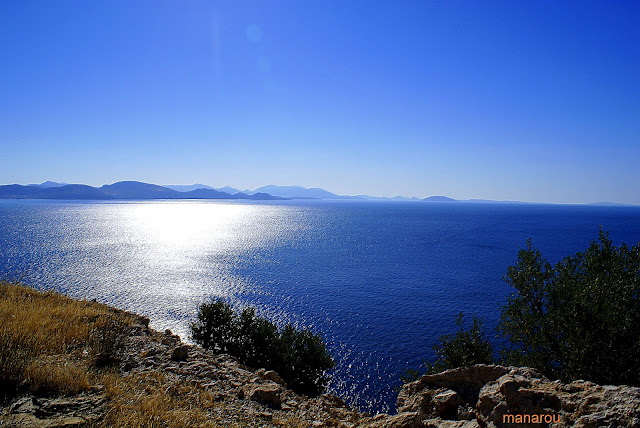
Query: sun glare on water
pixel 181 252
pixel 177 238
pixel 187 225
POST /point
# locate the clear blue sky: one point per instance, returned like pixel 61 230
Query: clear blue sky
pixel 533 101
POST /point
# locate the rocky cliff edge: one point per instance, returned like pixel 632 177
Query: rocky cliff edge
pixel 231 394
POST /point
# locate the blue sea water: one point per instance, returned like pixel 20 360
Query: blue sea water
pixel 379 280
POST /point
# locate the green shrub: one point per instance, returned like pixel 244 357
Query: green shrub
pixel 299 356
pixel 463 348
pixel 214 327
pixel 579 319
pixel 304 360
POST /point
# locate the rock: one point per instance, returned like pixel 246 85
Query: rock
pixel 269 395
pixel 466 381
pixel 72 411
pixel 271 375
pixel 31 421
pixel 23 405
pixel 499 393
pixel 292 403
pixel 151 352
pixel 401 420
pixel 438 402
pixel 180 353
pixel 446 403
pixel 69 421
pixel 333 400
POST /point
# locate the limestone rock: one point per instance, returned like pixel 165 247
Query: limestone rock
pixel 446 403
pixel 401 420
pixel 180 353
pixel 74 411
pixel 268 395
pixel 495 395
pixel 466 382
pixel 235 394
pixel 271 375
pixel 471 397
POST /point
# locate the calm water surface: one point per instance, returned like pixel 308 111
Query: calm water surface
pixel 380 281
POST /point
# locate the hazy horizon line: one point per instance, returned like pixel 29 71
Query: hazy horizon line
pixel 396 196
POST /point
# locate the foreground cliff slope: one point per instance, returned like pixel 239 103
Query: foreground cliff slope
pixel 70 363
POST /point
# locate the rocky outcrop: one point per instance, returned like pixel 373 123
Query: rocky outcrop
pixel 496 396
pixel 242 396
pixel 77 411
pixel 272 376
pixel 268 395
pixel 236 395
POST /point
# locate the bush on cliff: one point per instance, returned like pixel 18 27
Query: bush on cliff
pixel 466 347
pixel 300 357
pixel 463 348
pixel 579 319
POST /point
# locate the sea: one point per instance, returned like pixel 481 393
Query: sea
pixel 380 281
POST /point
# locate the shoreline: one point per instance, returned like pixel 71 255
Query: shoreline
pixel 156 378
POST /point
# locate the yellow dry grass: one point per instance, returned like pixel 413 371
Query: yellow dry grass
pixel 44 339
pixel 57 374
pixel 43 334
pixel 151 400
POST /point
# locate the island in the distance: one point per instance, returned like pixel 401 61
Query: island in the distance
pixel 131 190
pixel 119 190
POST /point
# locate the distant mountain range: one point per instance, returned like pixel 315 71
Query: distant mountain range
pixel 119 190
pixel 139 190
pixel 439 199
pixel 299 192
pixel 49 184
pixel 132 190
pixel 189 187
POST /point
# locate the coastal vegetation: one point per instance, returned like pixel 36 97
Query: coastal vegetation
pixel 50 342
pixel 53 347
pixel 463 348
pixel 299 356
pixel 577 319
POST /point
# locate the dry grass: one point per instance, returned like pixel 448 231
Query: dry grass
pixel 53 345
pixel 43 336
pixel 291 421
pixel 151 400
pixel 148 400
pixel 51 374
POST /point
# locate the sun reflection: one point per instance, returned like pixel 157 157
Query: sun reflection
pixel 188 224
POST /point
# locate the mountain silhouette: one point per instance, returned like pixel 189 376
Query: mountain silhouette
pixel 119 190
pixel 299 192
pixel 439 199
pixel 49 184
pixel 132 190
pixel 189 187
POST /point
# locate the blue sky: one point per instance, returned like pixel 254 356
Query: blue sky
pixel 533 101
